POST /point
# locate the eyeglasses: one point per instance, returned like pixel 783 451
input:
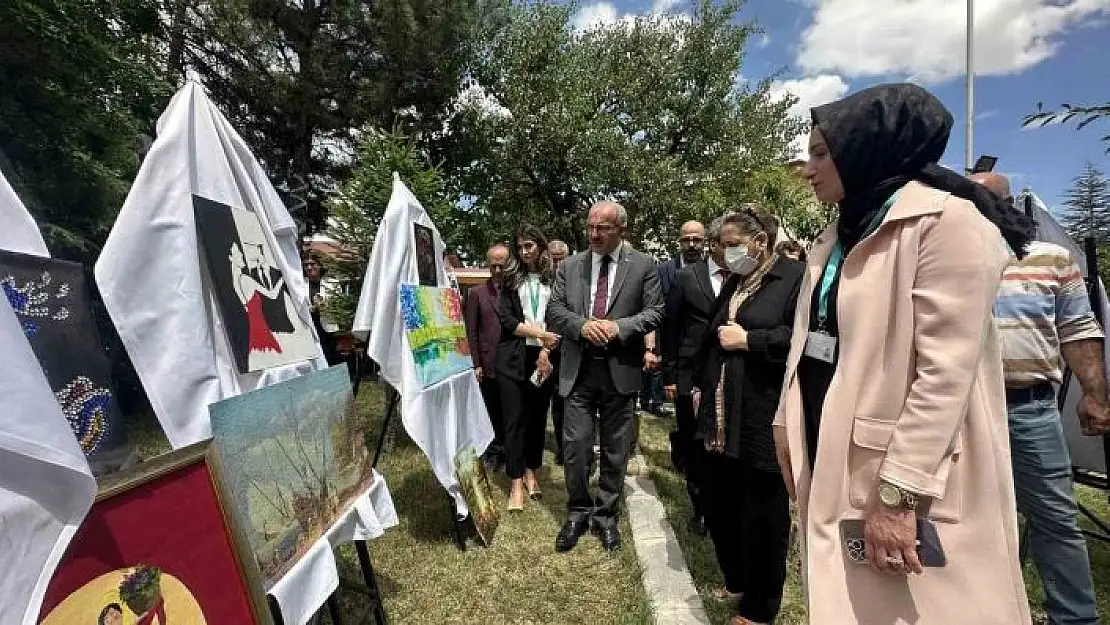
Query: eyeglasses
pixel 600 228
pixel 692 240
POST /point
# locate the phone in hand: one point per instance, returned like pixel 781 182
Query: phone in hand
pixel 929 549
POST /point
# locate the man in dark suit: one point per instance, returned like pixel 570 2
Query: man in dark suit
pixel 603 303
pixel 688 313
pixel 483 331
pixel 559 251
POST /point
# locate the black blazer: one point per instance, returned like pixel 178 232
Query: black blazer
pixel 512 361
pixel 688 313
pixel 754 377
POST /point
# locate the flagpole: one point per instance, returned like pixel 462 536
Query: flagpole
pixel 970 83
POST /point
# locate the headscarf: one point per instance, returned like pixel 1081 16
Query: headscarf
pixel 883 137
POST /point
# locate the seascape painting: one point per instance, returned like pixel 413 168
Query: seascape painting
pixel 436 333
pixel 295 457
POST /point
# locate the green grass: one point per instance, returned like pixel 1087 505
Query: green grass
pixel 519 579
pixel 655 446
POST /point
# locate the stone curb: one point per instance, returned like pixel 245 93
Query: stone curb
pixel 667 581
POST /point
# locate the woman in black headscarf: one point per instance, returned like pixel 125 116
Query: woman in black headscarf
pixel 891 430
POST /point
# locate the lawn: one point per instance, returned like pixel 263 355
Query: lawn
pixel 518 580
pixel 655 446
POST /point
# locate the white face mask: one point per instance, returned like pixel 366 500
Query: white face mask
pixel 739 261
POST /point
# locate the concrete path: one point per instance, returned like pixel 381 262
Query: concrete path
pixel 666 578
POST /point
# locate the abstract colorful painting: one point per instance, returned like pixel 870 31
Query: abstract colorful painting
pixel 437 335
pixel 295 457
pixel 50 300
pixel 157 548
pixel 260 320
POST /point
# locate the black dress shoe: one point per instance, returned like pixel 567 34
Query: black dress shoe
pixel 609 536
pixel 570 533
pixel 697 526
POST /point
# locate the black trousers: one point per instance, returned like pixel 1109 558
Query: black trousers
pixel 524 406
pixel 749 521
pixel 557 410
pixel 491 395
pixel 594 393
pixel 686 451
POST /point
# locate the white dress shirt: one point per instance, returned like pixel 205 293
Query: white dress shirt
pixel 537 317
pixel 595 269
pixel 715 277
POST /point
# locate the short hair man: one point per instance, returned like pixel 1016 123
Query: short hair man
pixel 603 303
pixel 1043 311
pixel 559 251
pixel 483 331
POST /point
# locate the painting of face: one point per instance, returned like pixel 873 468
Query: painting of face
pixel 426 270
pixel 262 324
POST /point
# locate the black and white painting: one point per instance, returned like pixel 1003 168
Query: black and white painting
pixel 50 300
pixel 427 270
pixel 261 323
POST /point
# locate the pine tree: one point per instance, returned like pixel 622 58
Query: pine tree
pixel 1088 206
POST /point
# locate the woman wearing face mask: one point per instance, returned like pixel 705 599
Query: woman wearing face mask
pixel 892 428
pixel 743 361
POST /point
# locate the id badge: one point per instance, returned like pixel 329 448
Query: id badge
pixel 821 346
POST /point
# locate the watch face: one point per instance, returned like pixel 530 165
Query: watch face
pixel 889 495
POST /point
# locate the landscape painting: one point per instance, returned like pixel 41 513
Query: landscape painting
pixel 475 487
pixel 294 457
pixel 437 336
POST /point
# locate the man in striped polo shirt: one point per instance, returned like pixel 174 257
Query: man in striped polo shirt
pixel 1043 315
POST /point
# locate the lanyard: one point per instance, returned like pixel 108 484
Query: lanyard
pixel 836 261
pixel 532 284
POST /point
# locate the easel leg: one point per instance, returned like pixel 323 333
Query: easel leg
pixel 371 581
pixel 456 524
pixel 275 610
pixel 390 409
pixel 333 609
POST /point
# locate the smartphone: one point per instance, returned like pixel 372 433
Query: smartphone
pixel 929 549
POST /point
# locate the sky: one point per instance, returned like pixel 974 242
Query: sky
pixel 1026 51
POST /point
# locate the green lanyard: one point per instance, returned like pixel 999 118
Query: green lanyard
pixel 836 261
pixel 534 297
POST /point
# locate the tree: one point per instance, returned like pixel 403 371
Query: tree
pixel 1083 115
pixel 1088 206
pixel 82 81
pixel 358 208
pixel 788 197
pixel 650 112
pixel 302 80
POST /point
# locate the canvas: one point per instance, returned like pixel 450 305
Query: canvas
pixel 476 489
pixel 157 548
pixel 260 321
pixel 436 332
pixel 50 300
pixel 295 457
pixel 427 270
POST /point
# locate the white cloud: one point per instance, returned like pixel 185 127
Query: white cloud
pixel 604 14
pixel 925 39
pixel 812 91
pixel 592 16
pixel 664 6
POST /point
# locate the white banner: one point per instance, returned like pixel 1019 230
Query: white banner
pixel 20 232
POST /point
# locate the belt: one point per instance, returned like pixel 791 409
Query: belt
pixel 1039 392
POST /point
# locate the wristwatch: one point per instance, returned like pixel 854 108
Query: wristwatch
pixel 893 497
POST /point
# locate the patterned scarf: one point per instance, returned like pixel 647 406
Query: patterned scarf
pixel 715 441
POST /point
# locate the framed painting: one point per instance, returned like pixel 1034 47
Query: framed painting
pixel 475 487
pixel 427 268
pixel 262 325
pixel 52 304
pixel 436 332
pixel 158 547
pixel 295 458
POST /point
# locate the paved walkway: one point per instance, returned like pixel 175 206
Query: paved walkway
pixel 666 578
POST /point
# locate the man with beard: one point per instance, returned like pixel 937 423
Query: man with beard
pixel 689 310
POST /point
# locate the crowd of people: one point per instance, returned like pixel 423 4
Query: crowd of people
pixel 896 380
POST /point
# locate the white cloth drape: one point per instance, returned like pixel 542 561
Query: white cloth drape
pixel 19 232
pixel 46 487
pixel 448 417
pixel 150 274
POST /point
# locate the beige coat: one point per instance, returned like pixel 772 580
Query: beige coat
pixel 918 399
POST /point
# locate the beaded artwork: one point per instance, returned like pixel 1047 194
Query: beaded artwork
pixel 86 409
pixel 32 301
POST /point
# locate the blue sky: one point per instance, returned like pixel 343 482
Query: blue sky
pixel 1026 51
